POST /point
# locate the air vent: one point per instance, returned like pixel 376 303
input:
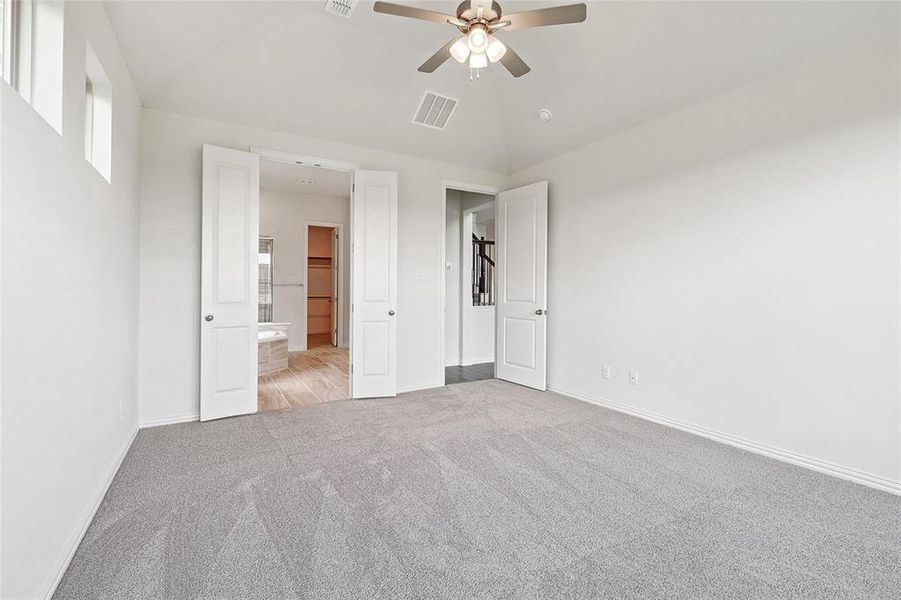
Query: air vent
pixel 342 8
pixel 434 111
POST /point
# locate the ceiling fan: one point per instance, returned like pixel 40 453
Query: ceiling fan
pixel 478 21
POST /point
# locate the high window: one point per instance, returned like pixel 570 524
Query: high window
pixel 32 54
pixel 98 116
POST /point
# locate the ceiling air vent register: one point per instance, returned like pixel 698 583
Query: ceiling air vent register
pixel 342 8
pixel 434 111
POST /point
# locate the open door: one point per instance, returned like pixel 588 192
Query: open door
pixel 333 301
pixel 521 242
pixel 228 283
pixel 373 348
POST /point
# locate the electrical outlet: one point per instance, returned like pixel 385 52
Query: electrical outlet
pixel 605 371
pixel 420 274
pixel 633 377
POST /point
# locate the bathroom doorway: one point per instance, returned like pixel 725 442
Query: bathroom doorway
pixel 303 354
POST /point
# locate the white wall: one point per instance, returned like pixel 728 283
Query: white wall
pixel 283 216
pixel 69 320
pixel 743 255
pixel 454 257
pixel 170 252
pixel 478 322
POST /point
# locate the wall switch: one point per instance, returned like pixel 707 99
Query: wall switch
pixel 605 371
pixel 420 274
pixel 633 377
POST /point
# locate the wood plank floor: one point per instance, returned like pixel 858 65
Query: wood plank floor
pixel 313 376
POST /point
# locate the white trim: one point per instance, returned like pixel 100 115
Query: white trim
pixel 304 159
pixel 341 335
pixel 477 188
pixel 460 186
pixel 415 387
pixel 73 544
pixel 170 420
pixel 801 460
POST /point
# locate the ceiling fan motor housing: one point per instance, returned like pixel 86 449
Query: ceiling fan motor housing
pixel 466 12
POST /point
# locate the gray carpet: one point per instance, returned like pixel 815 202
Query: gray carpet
pixel 478 490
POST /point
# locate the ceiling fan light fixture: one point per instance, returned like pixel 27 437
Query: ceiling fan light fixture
pixel 460 50
pixel 478 39
pixel 478 60
pixel 496 50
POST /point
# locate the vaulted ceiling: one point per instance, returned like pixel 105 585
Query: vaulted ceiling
pixel 290 66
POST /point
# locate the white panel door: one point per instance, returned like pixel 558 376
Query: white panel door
pixel 228 288
pixel 521 238
pixel 373 344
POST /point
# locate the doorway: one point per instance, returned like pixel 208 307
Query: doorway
pixel 236 277
pixel 303 355
pixel 470 284
pixel 322 285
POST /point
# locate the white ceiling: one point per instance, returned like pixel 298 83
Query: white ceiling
pixel 289 66
pixel 287 177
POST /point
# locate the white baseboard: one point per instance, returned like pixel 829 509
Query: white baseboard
pixel 452 363
pixel 50 589
pixel 413 387
pixel 801 460
pixel 157 421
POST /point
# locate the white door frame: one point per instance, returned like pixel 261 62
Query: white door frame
pixel 342 340
pixel 461 186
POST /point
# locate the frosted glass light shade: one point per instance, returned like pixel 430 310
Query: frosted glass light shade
pixel 496 50
pixel 478 60
pixel 460 50
pixel 478 40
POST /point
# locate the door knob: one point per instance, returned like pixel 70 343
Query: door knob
pixel 208 318
pixel 540 312
pixel 390 313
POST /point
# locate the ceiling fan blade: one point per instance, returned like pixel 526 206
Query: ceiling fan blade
pixel 437 59
pixel 557 15
pixel 514 63
pixel 400 10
